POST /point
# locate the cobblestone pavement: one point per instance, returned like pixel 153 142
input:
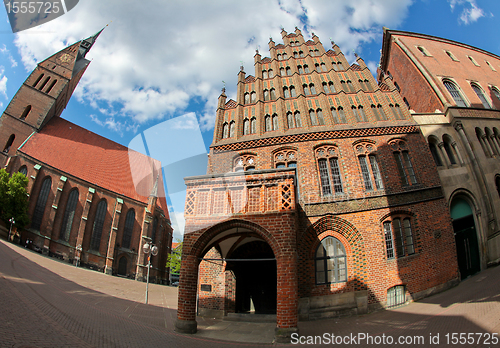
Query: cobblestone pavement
pixel 47 303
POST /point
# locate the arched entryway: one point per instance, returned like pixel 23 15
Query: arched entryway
pixel 122 266
pixel 469 261
pixel 254 268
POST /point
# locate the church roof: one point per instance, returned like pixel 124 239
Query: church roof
pixel 83 154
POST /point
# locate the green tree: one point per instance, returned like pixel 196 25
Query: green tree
pixel 174 259
pixel 13 198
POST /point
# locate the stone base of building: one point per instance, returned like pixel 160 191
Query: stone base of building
pixel 211 313
pixel 333 306
pixel 186 326
pixel 284 335
pixel 435 289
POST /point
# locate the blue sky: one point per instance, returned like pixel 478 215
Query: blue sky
pixel 160 60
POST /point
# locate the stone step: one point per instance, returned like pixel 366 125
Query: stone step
pixel 251 317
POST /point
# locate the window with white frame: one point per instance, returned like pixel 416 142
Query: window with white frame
pixel 330 262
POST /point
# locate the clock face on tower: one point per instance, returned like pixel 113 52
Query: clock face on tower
pixel 65 58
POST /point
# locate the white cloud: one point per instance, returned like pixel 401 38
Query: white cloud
pixel 3 83
pixel 13 62
pixel 468 15
pixel 155 57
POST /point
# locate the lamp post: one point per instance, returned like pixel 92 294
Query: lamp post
pixel 151 250
pixel 12 221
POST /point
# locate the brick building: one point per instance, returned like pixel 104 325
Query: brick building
pixel 321 197
pixel 453 90
pixel 92 201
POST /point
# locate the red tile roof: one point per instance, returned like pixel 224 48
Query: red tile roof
pixel 101 162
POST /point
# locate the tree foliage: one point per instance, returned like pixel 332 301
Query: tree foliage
pixel 13 198
pixel 174 259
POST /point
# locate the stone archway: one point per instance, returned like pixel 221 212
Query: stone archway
pixel 122 266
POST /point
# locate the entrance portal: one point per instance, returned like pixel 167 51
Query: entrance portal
pixel 255 278
pixel 465 238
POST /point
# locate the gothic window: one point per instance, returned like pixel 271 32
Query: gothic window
pixel 480 95
pixel 100 215
pixel 406 102
pixel 396 111
pixel 306 69
pixel 128 229
pixel 271 73
pixel 482 140
pixel 490 137
pixel 313 117
pixel 301 71
pixel 288 71
pixel 26 112
pixel 290 119
pixel 231 129
pixel 301 54
pixel 311 53
pixel 376 113
pixel 285 158
pixel 403 162
pixel 279 56
pixel 51 86
pixel 318 69
pixel 266 95
pixel 306 89
pixel 268 124
pixel 329 170
pixel 42 86
pixel 286 92
pixel 332 87
pixel 253 125
pixel 452 88
pixel 338 115
pixel 244 162
pixel 424 51
pixel 316 52
pixel 225 130
pixel 246 98
pixel 321 119
pixel 340 66
pixel 362 114
pixel 398 237
pixel 473 61
pixel 334 65
pixel 246 126
pixel 433 146
pixel 264 74
pixel 293 93
pixel 23 170
pixel 9 143
pixel 397 86
pixel 69 214
pixel 448 148
pixel 154 229
pixel 381 112
pixel 296 115
pixel 323 67
pixel 311 87
pixel 355 113
pixel 273 94
pixel 275 122
pixel 370 170
pixel 325 88
pixel 253 97
pixel 351 86
pixel 367 85
pixel 344 86
pixel 295 54
pixel 330 262
pixel 282 71
pixel 38 80
pixel 496 93
pixel 36 220
pixel 285 56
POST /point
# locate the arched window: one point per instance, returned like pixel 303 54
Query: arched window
pixel 318 69
pixel 275 122
pixel 154 229
pixel 293 93
pixel 42 86
pixel 246 98
pixel 397 86
pixel 38 80
pixel 306 69
pixel 306 89
pixel 433 146
pixel 100 215
pixel 288 70
pixel 329 170
pixel 334 65
pixel 351 86
pixel 381 112
pixel 455 94
pixel 301 54
pixel 313 117
pixel 311 87
pixel 231 129
pixel 423 51
pixel 253 125
pixel 225 131
pixel 128 229
pixel 273 94
pixel 399 236
pixel 279 56
pixel 355 113
pixel 286 92
pixel 449 151
pixel 26 112
pixel 396 296
pixel 325 88
pixel 362 114
pixel 301 71
pixel 253 97
pixel 403 162
pixel 376 113
pixel 246 126
pixel 490 137
pixel 23 170
pixel 496 93
pixel 266 95
pixel 406 102
pixel 298 122
pixel 285 158
pixel 69 214
pixel 282 71
pixel 268 123
pixel 9 143
pixel 323 67
pixel 480 95
pixel 332 87
pixel 321 119
pixel 338 115
pixel 51 86
pixel 295 54
pixel 36 220
pixel 340 66
pixel 285 56
pixel 482 140
pixel 264 74
pixel 497 183
pixel 368 85
pixel 316 52
pixel 330 262
pixel 344 86
pixel 291 121
pixel 271 73
pixel 452 57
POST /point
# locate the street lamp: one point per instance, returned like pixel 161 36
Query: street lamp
pixel 12 221
pixel 151 250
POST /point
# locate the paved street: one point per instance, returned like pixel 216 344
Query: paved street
pixel 47 303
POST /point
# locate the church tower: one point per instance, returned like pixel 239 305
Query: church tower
pixel 43 95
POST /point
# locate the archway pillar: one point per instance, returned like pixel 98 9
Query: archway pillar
pixel 287 297
pixel 188 283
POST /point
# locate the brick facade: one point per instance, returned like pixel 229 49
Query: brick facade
pixel 313 152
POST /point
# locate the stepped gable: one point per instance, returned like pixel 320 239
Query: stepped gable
pixel 356 67
pixel 231 104
pixel 250 79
